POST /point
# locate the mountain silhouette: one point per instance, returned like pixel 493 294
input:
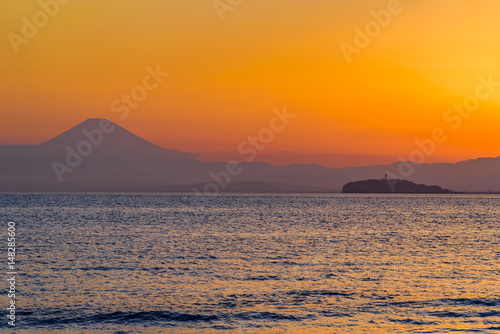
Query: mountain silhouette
pixel 120 136
pixel 118 139
pixel 115 161
pixel 92 157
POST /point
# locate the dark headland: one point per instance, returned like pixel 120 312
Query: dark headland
pixel 397 186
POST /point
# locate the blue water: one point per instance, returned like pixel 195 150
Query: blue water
pixel 162 263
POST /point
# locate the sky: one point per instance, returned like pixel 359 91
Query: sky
pixel 231 63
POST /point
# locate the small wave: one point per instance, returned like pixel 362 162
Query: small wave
pixel 172 319
pixel 471 301
pixel 308 293
pixel 55 318
pixel 262 278
pixel 467 314
pixel 271 316
pixel 409 321
pixel 445 302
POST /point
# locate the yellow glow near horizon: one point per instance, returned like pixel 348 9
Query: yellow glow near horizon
pixel 227 76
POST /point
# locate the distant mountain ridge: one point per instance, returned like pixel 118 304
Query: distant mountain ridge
pixel 122 161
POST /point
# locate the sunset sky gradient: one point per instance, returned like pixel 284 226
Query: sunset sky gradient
pixel 227 76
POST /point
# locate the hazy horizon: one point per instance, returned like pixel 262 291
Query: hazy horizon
pixel 231 156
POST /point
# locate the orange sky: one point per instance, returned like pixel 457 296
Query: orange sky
pixel 225 77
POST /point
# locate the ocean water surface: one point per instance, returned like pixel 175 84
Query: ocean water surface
pixel 165 263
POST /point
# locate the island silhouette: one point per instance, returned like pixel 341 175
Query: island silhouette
pixel 398 186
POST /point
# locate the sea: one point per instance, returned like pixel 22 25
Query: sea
pixel 251 263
